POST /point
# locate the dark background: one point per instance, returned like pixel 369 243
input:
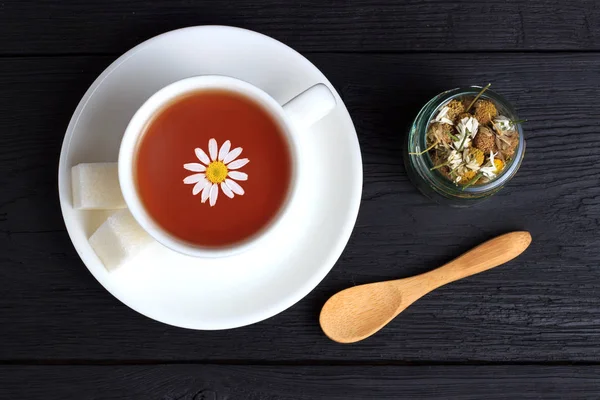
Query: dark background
pixel 529 329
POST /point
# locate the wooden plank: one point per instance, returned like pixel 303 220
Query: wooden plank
pixel 543 306
pixel 113 26
pixel 211 382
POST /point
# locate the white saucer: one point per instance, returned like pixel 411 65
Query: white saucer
pixel 244 289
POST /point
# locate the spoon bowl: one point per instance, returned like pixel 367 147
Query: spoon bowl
pixel 350 313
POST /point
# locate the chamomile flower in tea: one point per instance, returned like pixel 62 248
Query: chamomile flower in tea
pixel 470 142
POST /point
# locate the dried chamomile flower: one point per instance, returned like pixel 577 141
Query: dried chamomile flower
pixel 477 155
pixel 485 111
pixel 484 140
pixel 441 133
pixel 467 129
pixel 468 141
pixel 507 143
pixel 443 116
pixel 454 159
pixel 467 177
pixel 461 117
pixel 490 169
pixel 503 124
pixel 463 165
pixel 470 161
pixel 455 108
pixel 499 165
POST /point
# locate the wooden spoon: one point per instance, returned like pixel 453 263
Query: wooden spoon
pixel 358 312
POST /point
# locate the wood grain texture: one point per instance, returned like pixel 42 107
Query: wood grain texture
pixel 541 307
pixel 113 26
pixel 193 382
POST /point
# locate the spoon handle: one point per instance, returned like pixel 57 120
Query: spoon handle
pixel 486 256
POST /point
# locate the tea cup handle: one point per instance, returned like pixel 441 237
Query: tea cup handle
pixel 310 106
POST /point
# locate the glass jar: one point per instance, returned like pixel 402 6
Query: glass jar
pixel 431 182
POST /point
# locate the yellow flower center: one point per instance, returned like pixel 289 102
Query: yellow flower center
pixel 216 172
pixel 499 165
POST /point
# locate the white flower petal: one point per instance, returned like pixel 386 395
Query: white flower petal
pixel 237 175
pixel 235 188
pixel 238 163
pixel 202 155
pixel 194 167
pixel 198 187
pixel 503 124
pixel 206 192
pixel 226 190
pixel 224 150
pixel 212 149
pixel 193 178
pixel 443 116
pixel 214 192
pixel 232 155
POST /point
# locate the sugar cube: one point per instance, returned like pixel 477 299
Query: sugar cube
pixel 96 187
pixel 119 239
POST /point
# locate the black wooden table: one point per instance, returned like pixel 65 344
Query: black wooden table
pixel 529 329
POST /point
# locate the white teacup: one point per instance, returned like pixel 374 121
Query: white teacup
pixel 298 114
